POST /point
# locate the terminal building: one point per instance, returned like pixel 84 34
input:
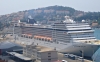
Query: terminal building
pixel 40 53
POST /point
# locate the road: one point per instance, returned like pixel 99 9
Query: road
pixel 61 57
pixel 6 58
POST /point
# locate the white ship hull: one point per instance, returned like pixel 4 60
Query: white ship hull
pixel 72 48
pixel 77 49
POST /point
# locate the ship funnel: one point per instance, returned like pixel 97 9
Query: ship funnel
pixel 68 20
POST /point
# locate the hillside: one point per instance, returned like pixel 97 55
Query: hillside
pixel 51 13
pixel 92 16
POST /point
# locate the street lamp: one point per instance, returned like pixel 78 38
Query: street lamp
pixel 93 52
pixel 13 29
pixel 82 55
pixel 32 58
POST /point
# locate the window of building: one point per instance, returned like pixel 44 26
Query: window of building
pixel 49 59
pixel 38 53
pixel 49 53
pixel 49 56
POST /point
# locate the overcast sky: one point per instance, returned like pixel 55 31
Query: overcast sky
pixel 9 6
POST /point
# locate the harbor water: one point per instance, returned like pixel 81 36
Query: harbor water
pixel 97 33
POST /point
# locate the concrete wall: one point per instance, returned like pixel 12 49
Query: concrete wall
pixel 52 54
pixel 49 56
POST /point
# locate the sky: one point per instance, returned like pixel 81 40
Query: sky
pixel 10 6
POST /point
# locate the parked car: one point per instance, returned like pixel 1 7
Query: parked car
pixel 71 56
pixel 66 55
pixel 80 58
pixel 64 61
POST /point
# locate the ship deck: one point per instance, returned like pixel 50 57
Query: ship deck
pixel 94 41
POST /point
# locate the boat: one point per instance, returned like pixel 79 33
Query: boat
pixel 65 36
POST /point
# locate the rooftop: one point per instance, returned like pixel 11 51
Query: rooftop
pixel 19 56
pixel 46 49
pixel 42 48
pixel 7 44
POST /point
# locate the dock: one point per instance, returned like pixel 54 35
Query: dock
pixel 60 55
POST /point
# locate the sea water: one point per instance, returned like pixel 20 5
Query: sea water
pixel 97 33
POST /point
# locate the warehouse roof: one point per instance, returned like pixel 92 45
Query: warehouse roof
pixel 7 44
pixel 21 56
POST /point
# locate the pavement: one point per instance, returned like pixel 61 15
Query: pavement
pixel 13 59
pixel 61 57
pixel 6 58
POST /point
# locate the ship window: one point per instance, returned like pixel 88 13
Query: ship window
pixel 42 39
pixel 48 40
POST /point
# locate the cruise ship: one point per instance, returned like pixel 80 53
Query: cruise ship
pixel 65 36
